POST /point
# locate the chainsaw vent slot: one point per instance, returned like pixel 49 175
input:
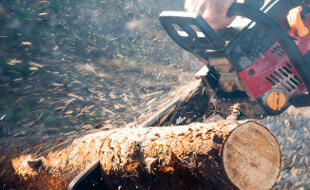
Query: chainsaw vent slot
pixel 284 76
pixel 294 82
pixel 279 75
pixel 287 70
pixel 289 65
pixel 290 85
pixel 295 77
pixel 282 72
pixel 274 78
pixel 271 81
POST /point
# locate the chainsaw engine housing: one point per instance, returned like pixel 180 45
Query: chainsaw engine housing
pixel 262 65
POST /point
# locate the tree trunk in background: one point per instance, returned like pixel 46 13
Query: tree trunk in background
pixel 221 155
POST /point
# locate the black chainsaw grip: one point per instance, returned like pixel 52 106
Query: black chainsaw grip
pixel 190 24
pixel 275 30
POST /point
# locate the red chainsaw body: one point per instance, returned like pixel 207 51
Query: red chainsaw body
pixel 274 69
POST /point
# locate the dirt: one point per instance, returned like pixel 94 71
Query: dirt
pixel 70 67
pixel 292 131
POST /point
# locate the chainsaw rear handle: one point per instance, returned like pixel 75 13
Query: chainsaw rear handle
pixel 208 43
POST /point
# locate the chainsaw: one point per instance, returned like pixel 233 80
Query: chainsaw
pixel 266 62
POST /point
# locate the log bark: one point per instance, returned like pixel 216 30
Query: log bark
pixel 224 155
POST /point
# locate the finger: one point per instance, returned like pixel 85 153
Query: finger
pixel 187 5
pixel 200 6
pixel 203 9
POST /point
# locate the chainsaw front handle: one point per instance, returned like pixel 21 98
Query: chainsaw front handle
pixel 191 32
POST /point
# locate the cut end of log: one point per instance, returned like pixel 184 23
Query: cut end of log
pixel 251 157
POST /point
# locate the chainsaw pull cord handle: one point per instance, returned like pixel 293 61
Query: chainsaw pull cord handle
pixel 274 29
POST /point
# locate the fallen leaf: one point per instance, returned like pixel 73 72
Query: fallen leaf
pixel 75 96
pixel 90 107
pixel 18 79
pixel 33 68
pixel 35 64
pixel 41 100
pixel 27 43
pixel 90 68
pixel 57 84
pixel 87 126
pixel 119 55
pixel 13 62
pixel 112 95
pixel 43 14
pixel 82 111
pixel 55 48
pixel 67 103
pixel 107 110
pixel 151 94
pixel 151 101
pixel 68 112
pixel 44 2
pixel 119 106
pixel 40 116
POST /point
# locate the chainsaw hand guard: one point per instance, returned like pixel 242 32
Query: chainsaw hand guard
pixel 191 32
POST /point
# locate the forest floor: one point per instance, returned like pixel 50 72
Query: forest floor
pixel 73 67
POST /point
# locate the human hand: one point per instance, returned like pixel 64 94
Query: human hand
pixel 213 11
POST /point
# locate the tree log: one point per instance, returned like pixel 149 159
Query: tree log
pixel 221 155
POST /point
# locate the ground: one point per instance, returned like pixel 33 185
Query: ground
pixel 71 66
